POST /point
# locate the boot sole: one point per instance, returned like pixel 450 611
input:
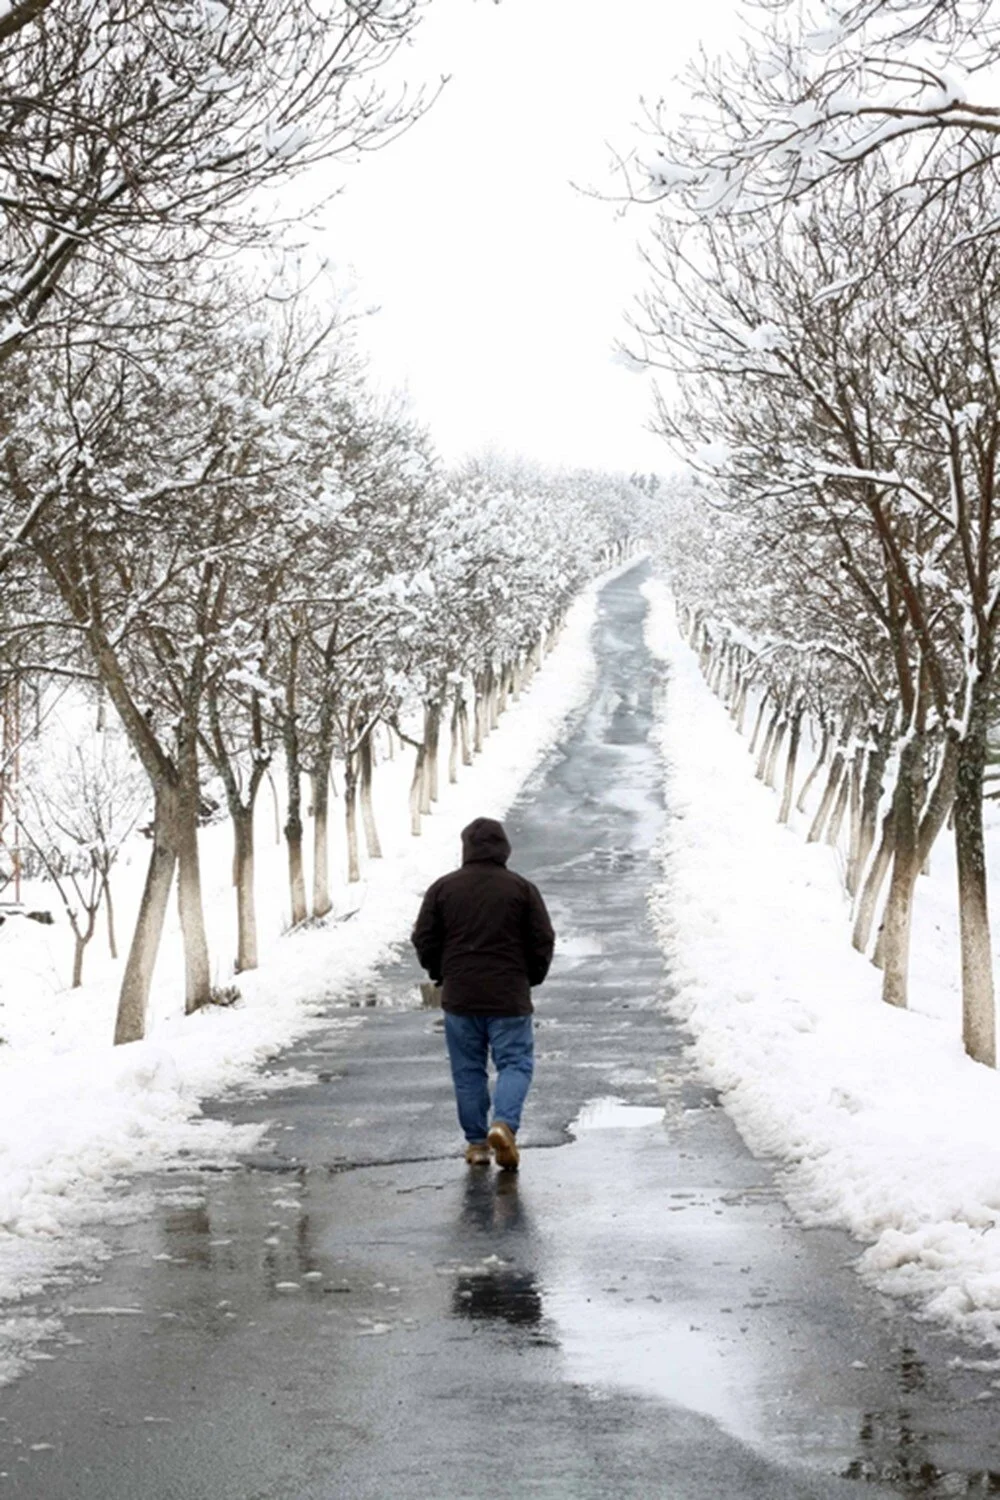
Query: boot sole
pixel 505 1152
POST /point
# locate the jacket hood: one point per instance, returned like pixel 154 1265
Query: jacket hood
pixel 485 840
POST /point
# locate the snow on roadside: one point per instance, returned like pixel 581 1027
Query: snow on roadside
pixel 883 1125
pixel 79 1119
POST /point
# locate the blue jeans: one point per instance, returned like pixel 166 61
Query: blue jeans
pixel 470 1041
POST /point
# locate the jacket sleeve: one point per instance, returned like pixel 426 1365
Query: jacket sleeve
pixel 539 938
pixel 428 935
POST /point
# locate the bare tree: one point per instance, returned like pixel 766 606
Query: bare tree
pixel 138 133
pixel 817 90
pixel 84 794
pixel 852 415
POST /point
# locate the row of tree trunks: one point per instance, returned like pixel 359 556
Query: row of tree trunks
pixel 175 784
pixel 898 850
pixel 494 687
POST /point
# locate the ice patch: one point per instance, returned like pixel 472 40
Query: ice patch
pixel 579 945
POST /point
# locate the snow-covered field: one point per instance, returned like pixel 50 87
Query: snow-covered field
pixel 882 1123
pixel 80 1119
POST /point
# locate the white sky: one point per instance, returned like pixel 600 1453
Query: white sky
pixel 501 288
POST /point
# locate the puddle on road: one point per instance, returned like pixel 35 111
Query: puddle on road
pixel 646 1349
pixel 612 1113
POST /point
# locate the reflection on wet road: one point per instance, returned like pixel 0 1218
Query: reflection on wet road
pixel 355 1315
pixel 496 1288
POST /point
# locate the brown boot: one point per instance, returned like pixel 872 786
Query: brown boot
pixel 503 1145
pixel 477 1154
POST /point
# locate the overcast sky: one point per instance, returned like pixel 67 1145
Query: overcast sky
pixel 501 287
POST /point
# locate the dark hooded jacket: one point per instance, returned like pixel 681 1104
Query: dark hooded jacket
pixel 484 930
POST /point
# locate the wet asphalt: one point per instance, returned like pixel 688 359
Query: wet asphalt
pixel 355 1315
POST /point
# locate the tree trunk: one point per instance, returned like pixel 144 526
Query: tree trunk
pixel 978 1011
pixel 320 783
pixel 824 746
pixel 277 808
pixel 478 713
pixel 833 780
pixel 739 709
pixel 463 726
pixel 241 800
pixel 109 912
pixel 840 806
pixel 492 709
pixel 713 668
pixel 366 763
pixel 765 749
pixel 133 998
pixel 351 818
pixel 729 688
pixel 770 768
pixel 453 750
pixel 293 783
pixel 722 667
pixel 871 796
pixel 293 842
pixel 872 887
pixel 759 721
pixel 785 811
pixel 432 740
pixel 243 872
pixel 852 873
pixel 197 973
pixel 931 822
pixel 79 948
pixel 416 791
pixel 895 938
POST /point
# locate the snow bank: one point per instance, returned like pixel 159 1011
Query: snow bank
pixel 883 1125
pixel 79 1119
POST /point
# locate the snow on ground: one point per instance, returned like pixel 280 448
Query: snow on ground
pixel 80 1120
pixel 883 1125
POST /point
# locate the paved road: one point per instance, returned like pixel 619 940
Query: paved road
pixel 355 1316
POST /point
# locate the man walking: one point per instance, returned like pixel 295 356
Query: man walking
pixel 483 930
